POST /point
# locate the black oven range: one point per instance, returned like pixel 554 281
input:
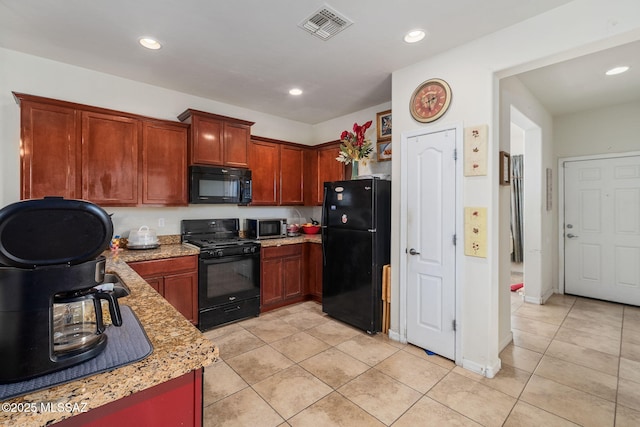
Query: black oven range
pixel 228 271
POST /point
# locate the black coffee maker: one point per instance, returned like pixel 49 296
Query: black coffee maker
pixel 51 272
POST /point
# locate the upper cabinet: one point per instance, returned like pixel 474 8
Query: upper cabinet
pixel 217 140
pixel 107 157
pixel 322 167
pixel 110 159
pixel 50 151
pixel 277 171
pixel 164 163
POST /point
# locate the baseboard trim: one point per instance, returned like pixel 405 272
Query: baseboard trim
pixel 395 336
pixel 506 341
pixel 485 371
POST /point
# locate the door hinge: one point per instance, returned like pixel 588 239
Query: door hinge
pixel 453 323
pixel 454 240
pixel 455 154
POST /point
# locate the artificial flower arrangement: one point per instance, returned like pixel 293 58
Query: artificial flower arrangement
pixel 355 147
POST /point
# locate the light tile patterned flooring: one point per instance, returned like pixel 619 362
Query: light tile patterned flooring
pixel 573 361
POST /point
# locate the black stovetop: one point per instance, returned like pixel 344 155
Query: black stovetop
pixel 213 233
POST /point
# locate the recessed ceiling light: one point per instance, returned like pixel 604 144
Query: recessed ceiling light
pixel 617 70
pixel 150 43
pixel 414 36
pixel 295 91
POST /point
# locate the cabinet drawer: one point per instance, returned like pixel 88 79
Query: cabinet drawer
pixel 162 267
pixel 282 251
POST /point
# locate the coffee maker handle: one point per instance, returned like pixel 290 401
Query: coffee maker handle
pixel 114 307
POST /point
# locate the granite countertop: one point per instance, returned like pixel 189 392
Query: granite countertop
pixel 313 238
pixel 178 348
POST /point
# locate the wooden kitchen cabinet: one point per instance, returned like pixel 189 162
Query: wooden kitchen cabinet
pixel 176 279
pixel 282 280
pixel 291 175
pixel 264 162
pixel 110 159
pixel 217 140
pixel 322 167
pixel 50 151
pixel 107 157
pixel 277 170
pixel 164 164
pixel 313 265
pixel 177 402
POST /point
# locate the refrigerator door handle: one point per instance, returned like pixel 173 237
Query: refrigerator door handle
pixel 323 227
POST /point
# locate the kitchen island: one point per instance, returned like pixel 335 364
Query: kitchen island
pixel 173 369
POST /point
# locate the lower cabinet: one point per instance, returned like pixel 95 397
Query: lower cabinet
pixel 290 274
pixel 176 279
pixel 177 402
pixel 282 276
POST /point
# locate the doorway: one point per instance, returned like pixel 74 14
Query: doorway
pixel 532 212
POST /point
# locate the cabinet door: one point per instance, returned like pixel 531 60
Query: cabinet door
pixel 292 276
pixel 110 159
pixel 291 175
pixel 206 141
pixel 50 151
pixel 236 144
pixel 264 162
pixel 164 164
pixel 156 283
pixel 181 290
pixel 271 291
pixel 329 169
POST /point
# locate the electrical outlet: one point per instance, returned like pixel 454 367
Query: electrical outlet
pixel 160 222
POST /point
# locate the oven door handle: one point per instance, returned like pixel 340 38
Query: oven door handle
pixel 231 258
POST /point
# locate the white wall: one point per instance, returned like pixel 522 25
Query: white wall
pixel 613 129
pixel 472 71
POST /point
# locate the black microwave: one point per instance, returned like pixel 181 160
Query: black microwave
pixel 211 184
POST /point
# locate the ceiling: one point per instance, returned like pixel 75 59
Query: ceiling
pixel 249 53
pixel 580 84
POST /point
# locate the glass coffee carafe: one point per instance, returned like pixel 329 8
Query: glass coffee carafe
pixel 77 320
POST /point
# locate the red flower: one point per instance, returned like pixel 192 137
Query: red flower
pixel 355 146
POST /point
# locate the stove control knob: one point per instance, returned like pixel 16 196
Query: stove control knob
pixel 218 252
pixel 253 249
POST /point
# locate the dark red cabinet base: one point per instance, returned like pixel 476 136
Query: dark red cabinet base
pixel 177 402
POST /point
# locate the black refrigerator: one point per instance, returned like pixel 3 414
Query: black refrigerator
pixel 356 239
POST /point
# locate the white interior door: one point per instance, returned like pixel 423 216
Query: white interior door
pixel 602 228
pixel 430 245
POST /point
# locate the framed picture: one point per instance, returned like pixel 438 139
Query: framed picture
pixel 384 151
pixel 505 168
pixel 383 126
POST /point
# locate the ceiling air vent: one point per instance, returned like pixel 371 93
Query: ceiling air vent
pixel 325 23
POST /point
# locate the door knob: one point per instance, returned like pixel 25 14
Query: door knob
pixel 571 236
pixel 413 252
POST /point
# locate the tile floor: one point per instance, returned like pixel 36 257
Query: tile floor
pixel 573 361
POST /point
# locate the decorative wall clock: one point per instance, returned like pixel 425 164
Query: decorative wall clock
pixel 430 100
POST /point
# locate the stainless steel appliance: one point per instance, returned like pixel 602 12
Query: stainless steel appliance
pixel 356 231
pixel 228 271
pixel 51 273
pixel 210 184
pixel 272 228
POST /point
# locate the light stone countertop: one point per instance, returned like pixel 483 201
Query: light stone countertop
pixel 178 348
pixel 313 238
